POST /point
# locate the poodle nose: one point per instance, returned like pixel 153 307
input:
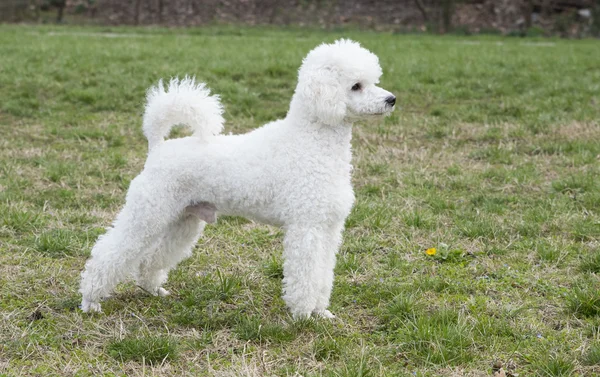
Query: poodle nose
pixel 391 100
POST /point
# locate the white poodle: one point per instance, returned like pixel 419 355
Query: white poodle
pixel 293 173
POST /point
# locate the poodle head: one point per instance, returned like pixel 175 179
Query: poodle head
pixel 337 84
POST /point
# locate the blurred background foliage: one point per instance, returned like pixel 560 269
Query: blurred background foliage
pixel 566 18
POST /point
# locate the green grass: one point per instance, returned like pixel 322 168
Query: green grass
pixel 591 261
pixel 147 349
pixel 554 366
pixel 492 159
pixel 592 356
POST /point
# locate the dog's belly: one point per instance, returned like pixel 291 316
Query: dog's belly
pixel 204 211
pixel 261 215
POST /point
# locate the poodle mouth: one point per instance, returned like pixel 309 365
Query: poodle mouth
pixel 386 111
pixel 380 113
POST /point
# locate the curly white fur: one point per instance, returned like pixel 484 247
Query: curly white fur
pixel 293 173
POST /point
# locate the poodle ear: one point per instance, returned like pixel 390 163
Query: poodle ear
pixel 324 96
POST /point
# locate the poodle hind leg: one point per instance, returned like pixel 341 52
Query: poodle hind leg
pixel 150 278
pixel 116 254
pixel 110 264
pixel 175 246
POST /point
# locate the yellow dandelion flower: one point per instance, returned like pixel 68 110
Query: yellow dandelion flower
pixel 431 251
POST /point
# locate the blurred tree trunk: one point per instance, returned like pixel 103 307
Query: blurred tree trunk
pixel 60 4
pixel 547 7
pixel 447 11
pixel 36 10
pixel 160 11
pixel 136 14
pixel 528 13
pixel 596 19
pixel 422 9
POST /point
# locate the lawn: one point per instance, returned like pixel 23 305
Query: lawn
pixel 492 159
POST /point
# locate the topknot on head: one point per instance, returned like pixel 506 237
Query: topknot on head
pixel 344 55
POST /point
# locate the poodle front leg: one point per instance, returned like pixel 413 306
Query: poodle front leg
pixel 332 244
pixel 307 269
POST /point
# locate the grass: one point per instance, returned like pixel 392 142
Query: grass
pixel 146 349
pixel 492 159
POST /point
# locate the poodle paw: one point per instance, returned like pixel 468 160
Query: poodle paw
pixel 317 313
pixel 299 316
pixel 324 313
pixel 155 291
pixel 90 307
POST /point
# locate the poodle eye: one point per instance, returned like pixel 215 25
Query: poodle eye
pixel 356 87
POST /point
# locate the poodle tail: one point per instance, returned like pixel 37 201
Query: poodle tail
pixel 183 102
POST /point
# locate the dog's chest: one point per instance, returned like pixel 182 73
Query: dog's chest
pixel 321 190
